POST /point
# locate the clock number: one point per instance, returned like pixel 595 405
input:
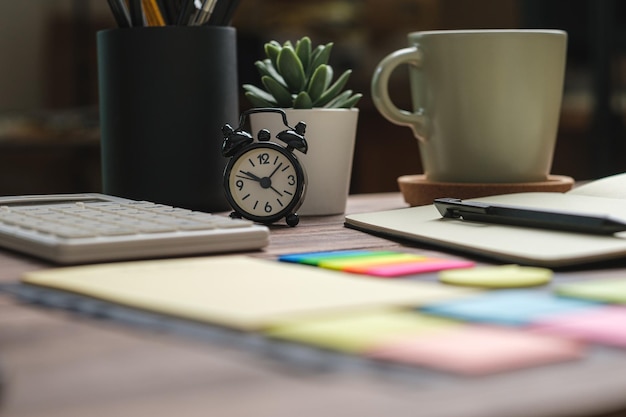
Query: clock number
pixel 239 184
pixel 268 208
pixel 264 158
pixel 292 180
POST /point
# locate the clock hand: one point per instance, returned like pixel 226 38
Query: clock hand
pixel 250 176
pixel 266 182
pixel 277 192
pixel 276 169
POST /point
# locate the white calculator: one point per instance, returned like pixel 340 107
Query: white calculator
pixel 82 228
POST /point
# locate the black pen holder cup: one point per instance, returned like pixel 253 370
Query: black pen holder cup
pixel 165 93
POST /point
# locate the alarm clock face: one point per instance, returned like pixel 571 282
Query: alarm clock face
pixel 264 182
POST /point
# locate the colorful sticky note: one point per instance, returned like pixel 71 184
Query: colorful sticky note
pixel 399 269
pixel 607 290
pixel 376 263
pixel 314 258
pixel 474 350
pixel 605 325
pixel 507 307
pixel 358 331
pixel 373 259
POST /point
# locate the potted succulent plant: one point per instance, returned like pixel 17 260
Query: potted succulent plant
pixel 299 79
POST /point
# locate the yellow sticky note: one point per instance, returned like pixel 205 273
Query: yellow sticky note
pixel 359 331
pixel 505 276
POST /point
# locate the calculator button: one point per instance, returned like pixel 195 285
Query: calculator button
pixel 113 231
pixel 67 232
pixel 233 223
pixel 16 219
pixel 155 228
pixel 199 216
pixel 191 225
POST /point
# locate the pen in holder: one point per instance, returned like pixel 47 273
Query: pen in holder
pixel 165 93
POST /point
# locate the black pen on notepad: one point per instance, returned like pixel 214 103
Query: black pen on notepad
pixel 528 217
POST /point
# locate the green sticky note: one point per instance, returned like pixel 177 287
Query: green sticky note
pixel 603 290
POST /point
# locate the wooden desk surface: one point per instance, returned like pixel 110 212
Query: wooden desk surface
pixel 55 363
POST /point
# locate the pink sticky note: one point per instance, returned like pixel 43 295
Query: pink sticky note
pixel 477 350
pixel 409 268
pixel 604 325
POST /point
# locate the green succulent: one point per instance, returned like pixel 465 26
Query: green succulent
pixel 299 77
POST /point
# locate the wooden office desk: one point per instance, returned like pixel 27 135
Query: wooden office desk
pixel 59 364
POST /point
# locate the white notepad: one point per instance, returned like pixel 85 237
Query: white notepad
pixel 514 243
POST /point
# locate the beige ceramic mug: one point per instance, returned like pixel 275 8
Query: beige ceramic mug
pixel 486 103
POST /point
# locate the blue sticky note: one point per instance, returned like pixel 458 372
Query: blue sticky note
pixel 508 307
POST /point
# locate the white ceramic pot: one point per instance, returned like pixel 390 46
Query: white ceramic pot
pixel 330 134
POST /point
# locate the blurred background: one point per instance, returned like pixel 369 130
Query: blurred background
pixel 49 131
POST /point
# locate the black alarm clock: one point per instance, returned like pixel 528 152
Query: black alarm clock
pixel 264 181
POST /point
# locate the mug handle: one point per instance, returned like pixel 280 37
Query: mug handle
pixel 417 120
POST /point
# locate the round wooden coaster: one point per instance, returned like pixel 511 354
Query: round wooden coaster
pixel 419 191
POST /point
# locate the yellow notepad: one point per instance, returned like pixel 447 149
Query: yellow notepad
pixel 236 291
